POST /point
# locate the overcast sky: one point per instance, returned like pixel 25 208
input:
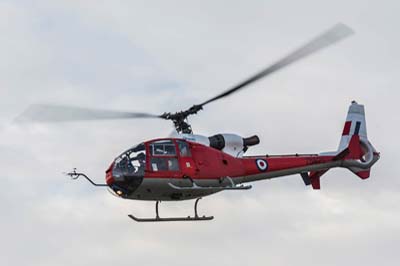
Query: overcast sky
pixel 161 56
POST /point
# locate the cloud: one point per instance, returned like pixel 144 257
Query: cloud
pixel 158 56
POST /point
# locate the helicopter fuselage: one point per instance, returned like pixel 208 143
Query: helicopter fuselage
pixel 178 169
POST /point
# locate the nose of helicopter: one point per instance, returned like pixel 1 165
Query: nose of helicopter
pixel 123 178
pixel 110 180
pixel 109 175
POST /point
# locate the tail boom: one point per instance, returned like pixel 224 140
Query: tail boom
pixel 355 153
pixel 310 167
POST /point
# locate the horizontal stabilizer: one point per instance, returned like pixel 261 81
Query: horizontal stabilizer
pixel 306 179
pixel 313 178
pixel 316 183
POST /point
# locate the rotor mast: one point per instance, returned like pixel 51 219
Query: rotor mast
pixel 180 119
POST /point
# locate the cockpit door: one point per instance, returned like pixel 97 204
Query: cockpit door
pixel 164 159
pixel 188 167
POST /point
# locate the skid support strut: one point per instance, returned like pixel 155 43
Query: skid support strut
pixel 196 217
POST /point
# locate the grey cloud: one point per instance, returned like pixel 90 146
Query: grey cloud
pixel 163 56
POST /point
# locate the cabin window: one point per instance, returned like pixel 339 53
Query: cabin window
pixel 163 148
pixel 164 164
pixel 184 150
pixel 158 164
pixel 164 156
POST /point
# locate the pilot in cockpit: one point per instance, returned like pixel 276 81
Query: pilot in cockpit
pixel 141 157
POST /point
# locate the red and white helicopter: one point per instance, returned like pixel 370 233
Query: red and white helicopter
pixel 189 166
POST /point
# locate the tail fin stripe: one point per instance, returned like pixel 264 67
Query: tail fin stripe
pixel 346 129
pixel 357 130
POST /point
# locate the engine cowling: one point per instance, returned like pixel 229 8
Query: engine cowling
pixel 233 144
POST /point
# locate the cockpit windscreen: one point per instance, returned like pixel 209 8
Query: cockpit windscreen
pixel 131 163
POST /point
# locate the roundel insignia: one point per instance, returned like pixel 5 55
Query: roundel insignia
pixel 262 165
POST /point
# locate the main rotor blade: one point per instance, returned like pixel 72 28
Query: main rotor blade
pixel 331 36
pixel 63 113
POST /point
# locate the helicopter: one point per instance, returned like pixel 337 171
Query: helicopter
pixel 187 166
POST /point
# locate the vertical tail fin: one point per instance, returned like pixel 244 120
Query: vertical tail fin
pixel 355 152
pixel 355 125
pixel 355 140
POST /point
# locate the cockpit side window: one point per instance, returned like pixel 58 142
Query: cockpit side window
pixel 184 150
pixel 163 156
pixel 163 148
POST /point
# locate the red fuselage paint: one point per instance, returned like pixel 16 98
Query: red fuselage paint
pixel 210 167
pixel 209 163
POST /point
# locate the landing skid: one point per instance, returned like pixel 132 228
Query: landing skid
pixel 196 217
